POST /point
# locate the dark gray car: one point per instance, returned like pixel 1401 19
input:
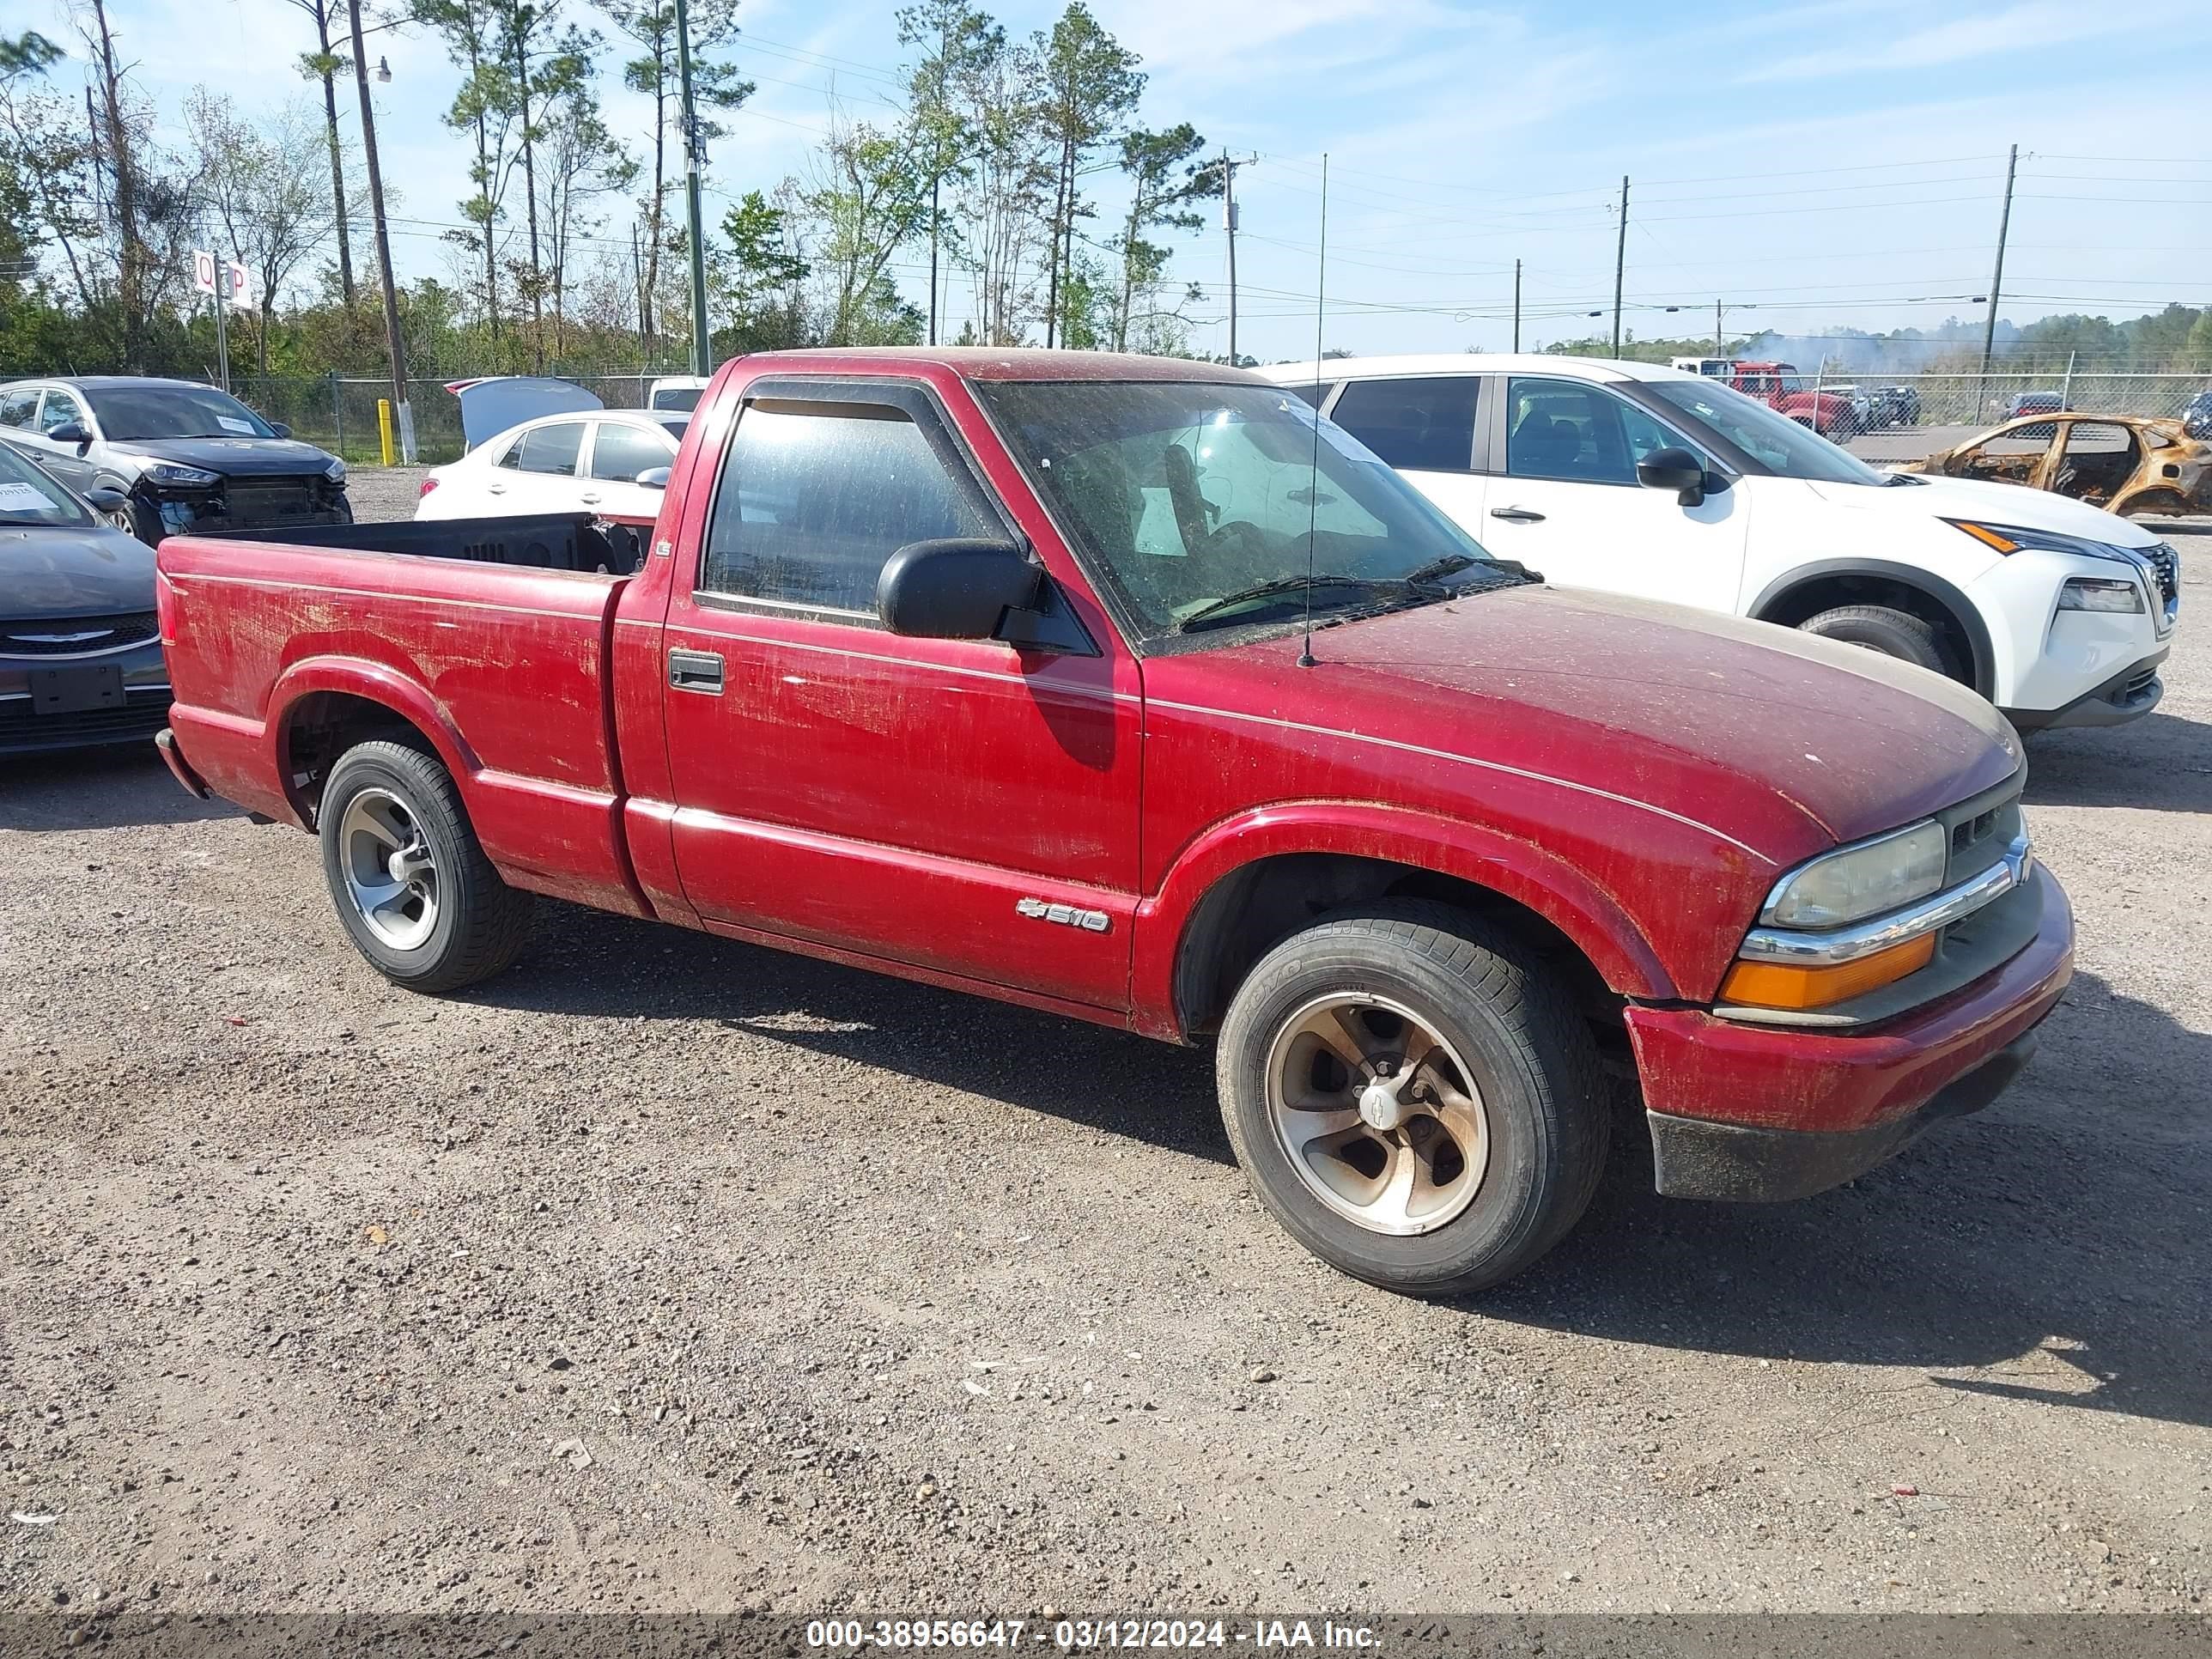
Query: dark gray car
pixel 187 456
pixel 80 646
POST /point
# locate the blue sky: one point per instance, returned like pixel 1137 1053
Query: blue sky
pixel 1832 162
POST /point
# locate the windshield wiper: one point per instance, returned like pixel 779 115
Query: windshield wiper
pixel 1435 569
pixel 1289 584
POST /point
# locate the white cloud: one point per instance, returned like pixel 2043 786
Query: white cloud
pixel 2037 25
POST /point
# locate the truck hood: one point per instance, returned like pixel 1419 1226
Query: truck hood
pixel 235 457
pixel 1781 741
pixel 1992 503
pixel 52 572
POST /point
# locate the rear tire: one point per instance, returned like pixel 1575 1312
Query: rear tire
pixel 1504 1123
pixel 1893 633
pixel 412 886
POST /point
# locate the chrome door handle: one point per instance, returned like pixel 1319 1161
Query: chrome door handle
pixel 589 500
pixel 695 670
pixel 1516 515
pixel 496 489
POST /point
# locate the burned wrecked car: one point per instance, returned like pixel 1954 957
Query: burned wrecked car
pixel 187 456
pixel 2126 463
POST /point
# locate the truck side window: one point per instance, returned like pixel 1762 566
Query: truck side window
pixel 1425 425
pixel 812 502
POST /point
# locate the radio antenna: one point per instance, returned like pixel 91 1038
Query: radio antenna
pixel 1313 468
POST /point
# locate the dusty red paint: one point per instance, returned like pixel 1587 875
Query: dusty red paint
pixel 1637 775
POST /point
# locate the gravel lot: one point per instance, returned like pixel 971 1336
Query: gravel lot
pixel 662 1273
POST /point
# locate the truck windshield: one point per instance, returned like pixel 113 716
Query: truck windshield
pixel 128 414
pixel 1787 448
pixel 1194 501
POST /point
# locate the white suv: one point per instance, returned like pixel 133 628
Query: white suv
pixel 1643 480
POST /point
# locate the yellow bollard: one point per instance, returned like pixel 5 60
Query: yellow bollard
pixel 383 426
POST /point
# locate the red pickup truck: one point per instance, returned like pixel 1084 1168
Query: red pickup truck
pixel 990 669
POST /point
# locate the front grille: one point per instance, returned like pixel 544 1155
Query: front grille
pixel 270 501
pixel 142 716
pixel 1980 830
pixel 62 637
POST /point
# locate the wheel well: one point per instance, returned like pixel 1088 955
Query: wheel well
pixel 1250 911
pixel 1809 599
pixel 322 726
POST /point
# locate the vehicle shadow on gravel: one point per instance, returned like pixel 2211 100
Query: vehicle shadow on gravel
pixel 2053 1244
pixel 97 789
pixel 2161 762
pixel 587 962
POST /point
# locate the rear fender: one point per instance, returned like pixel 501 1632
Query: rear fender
pixel 1505 864
pixel 373 681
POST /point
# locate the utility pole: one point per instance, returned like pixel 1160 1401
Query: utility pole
pixel 1229 224
pixel 1717 349
pixel 702 341
pixel 393 341
pixel 1620 264
pixel 1516 305
pixel 637 275
pixel 1997 276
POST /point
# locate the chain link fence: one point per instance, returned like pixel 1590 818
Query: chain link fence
pixel 338 412
pixel 1984 400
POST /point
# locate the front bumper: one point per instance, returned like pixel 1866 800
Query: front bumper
pixel 1767 1113
pixel 145 708
pixel 250 503
pixel 2127 696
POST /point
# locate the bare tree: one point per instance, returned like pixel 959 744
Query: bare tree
pixel 650 25
pixel 583 164
pixel 999 211
pixel 325 63
pixel 262 189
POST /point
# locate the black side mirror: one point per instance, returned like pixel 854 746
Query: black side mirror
pixel 954 589
pixel 107 498
pixel 71 432
pixel 280 428
pixel 654 477
pixel 1674 468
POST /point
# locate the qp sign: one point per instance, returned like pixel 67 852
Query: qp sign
pixel 204 265
pixel 240 297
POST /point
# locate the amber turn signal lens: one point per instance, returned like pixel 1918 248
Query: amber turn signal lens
pixel 1783 985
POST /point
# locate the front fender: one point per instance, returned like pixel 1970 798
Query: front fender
pixel 1511 865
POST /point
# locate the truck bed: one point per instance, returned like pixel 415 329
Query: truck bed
pixel 492 636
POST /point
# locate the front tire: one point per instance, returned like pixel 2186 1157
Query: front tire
pixel 1881 628
pixel 1414 1097
pixel 412 886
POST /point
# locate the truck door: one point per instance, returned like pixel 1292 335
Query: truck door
pixel 959 806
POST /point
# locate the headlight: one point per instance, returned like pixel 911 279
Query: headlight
pixel 335 471
pixel 2101 593
pixel 189 477
pixel 2012 539
pixel 1854 883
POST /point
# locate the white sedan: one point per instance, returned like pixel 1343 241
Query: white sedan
pixel 585 462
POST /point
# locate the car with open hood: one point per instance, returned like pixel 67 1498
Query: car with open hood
pixel 184 456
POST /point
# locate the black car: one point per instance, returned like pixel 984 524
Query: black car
pixel 2196 416
pixel 187 456
pixel 80 647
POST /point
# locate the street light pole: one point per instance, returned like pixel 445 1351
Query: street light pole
pixel 702 342
pixel 393 341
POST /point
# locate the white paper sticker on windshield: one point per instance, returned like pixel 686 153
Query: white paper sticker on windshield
pixel 22 498
pixel 232 423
